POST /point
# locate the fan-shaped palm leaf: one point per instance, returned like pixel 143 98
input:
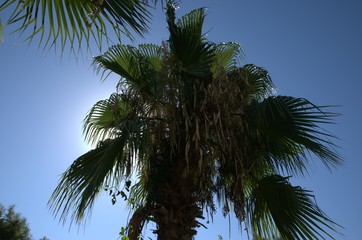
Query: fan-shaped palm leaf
pixel 193 22
pixel 120 59
pixel 227 57
pixel 111 161
pixel 191 51
pixel 77 21
pixel 287 129
pixel 259 84
pixel 137 67
pixel 105 117
pixel 153 54
pixel 278 208
pixel 85 178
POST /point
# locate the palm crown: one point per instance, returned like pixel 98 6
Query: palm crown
pixel 191 124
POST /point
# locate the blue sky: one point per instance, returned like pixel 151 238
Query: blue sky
pixel 312 49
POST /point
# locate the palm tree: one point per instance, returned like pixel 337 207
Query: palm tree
pixel 191 127
pixel 72 23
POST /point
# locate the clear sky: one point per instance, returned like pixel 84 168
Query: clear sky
pixel 312 49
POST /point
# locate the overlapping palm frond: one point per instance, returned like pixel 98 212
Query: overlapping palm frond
pixel 120 59
pixel 276 208
pixel 84 179
pixel 193 53
pixel 193 22
pixel 259 83
pixel 122 136
pixel 287 128
pixel 137 67
pixel 227 57
pixel 153 54
pixel 77 22
pixel 105 117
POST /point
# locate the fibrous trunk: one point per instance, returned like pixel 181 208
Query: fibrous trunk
pixel 177 211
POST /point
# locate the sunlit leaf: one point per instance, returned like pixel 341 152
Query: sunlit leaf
pixel 75 23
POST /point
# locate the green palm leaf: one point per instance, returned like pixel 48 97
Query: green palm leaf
pixel 287 129
pixel 119 59
pixel 259 84
pixel 84 179
pixel 111 161
pixel 193 22
pixel 137 67
pixel 193 54
pixel 153 54
pixel 278 208
pixel 227 57
pixel 76 22
pixel 105 117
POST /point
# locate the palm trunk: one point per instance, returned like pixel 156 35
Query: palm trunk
pixel 175 197
pixel 177 212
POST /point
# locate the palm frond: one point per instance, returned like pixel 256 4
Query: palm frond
pixel 138 193
pixel 76 22
pixel 138 68
pixel 259 83
pixel 119 59
pixel 153 54
pixel 193 22
pixel 104 118
pixel 287 129
pixel 278 208
pixel 81 183
pixel 227 57
pixel 193 53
